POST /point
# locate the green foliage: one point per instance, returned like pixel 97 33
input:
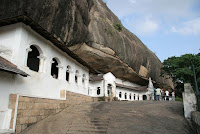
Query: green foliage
pixel 179 99
pixel 118 26
pixel 110 31
pixel 180 69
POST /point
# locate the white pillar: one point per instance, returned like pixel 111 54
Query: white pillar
pixel 26 56
pixel 42 63
pixel 60 72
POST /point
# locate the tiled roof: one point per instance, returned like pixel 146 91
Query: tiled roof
pixel 7 66
pixel 96 77
pixel 139 89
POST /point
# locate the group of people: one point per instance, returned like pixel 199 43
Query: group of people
pixel 160 93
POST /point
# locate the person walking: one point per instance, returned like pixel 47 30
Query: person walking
pixel 158 94
pixel 163 95
pixel 167 95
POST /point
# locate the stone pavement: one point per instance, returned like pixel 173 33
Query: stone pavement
pixel 141 117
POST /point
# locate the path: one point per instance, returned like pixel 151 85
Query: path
pixel 144 117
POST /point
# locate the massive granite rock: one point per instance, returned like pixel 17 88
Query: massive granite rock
pixel 93 32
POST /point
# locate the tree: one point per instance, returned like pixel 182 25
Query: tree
pixel 180 69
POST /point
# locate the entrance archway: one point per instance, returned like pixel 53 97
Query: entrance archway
pixel 144 97
pixel 109 88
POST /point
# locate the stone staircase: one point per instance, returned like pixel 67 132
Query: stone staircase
pixel 115 117
pixel 95 126
pixel 85 124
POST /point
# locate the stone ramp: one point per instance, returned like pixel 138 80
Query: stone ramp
pixel 145 117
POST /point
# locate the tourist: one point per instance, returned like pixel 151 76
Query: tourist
pixel 158 94
pixel 163 95
pixel 154 91
pixel 167 95
pixel 173 96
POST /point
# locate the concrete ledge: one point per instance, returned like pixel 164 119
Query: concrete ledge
pixel 5 131
pixel 196 120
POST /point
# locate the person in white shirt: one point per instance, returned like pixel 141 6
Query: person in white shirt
pixel 167 95
pixel 158 94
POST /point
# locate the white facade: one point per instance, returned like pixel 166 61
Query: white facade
pixel 15 42
pixel 122 93
pixel 107 79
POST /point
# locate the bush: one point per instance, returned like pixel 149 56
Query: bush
pixel 110 31
pixel 118 26
pixel 179 99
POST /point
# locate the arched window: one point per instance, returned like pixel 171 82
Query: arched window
pixel 130 96
pixel 68 73
pixel 33 61
pixel 76 76
pixel 138 97
pixel 125 96
pixel 134 96
pixel 54 68
pixel 98 90
pixel 120 94
pixel 83 79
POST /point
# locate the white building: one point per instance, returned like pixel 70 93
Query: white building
pixel 34 63
pixel 109 86
pixel 49 69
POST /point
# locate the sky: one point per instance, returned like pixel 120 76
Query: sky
pixel 167 27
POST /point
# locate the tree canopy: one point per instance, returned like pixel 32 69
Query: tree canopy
pixel 180 69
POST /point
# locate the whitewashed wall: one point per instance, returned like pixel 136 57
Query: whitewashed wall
pixel 18 38
pixel 129 92
pixel 109 78
pixel 93 86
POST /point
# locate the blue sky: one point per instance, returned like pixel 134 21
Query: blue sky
pixel 167 27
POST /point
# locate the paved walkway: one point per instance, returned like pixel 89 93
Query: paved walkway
pixel 144 117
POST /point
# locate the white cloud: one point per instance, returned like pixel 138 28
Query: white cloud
pixel 164 14
pixel 158 7
pixel 191 27
pixel 145 26
pixel 133 1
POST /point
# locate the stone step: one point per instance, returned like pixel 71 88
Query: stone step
pixel 98 121
pixel 88 126
pixel 87 129
pixel 94 124
pixel 85 132
pixel 75 132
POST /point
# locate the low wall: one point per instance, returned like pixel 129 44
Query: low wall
pixel 31 110
pixel 196 121
pixel 189 100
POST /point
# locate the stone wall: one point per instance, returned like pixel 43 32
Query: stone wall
pixel 196 121
pixel 189 100
pixel 31 109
